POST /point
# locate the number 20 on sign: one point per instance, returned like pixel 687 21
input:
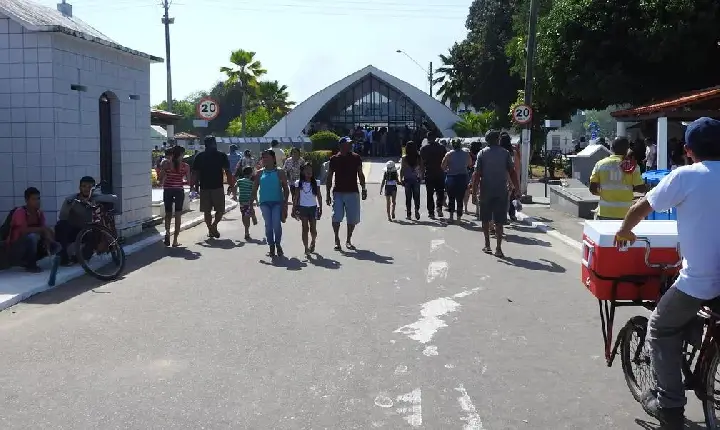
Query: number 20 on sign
pixel 522 114
pixel 208 109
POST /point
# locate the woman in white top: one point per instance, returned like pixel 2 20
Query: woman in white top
pixel 307 205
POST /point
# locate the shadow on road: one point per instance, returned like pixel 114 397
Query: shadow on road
pixel 542 264
pixel 646 425
pixel 524 240
pixel 367 255
pixel 221 243
pixel 318 260
pixel 182 252
pixel 421 222
pixel 292 264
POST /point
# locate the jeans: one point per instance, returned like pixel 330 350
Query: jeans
pixel 272 215
pixel 412 192
pixel 456 186
pixel 435 188
pixel 666 332
pixel 24 251
pixel 66 233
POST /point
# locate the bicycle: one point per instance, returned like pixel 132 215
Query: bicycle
pixel 99 237
pixel 701 356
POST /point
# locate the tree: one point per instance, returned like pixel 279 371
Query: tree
pixel 257 122
pixel 450 83
pixel 186 108
pixel 274 97
pixel 475 124
pixel 243 75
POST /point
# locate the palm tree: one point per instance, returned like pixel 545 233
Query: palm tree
pixel 274 97
pixel 244 72
pixel 450 86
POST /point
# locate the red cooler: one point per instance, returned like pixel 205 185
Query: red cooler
pixel 603 263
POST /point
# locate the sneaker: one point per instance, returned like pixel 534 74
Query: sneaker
pixel 417 214
pixel 669 418
pixel 280 251
pixel 440 214
pixel 408 216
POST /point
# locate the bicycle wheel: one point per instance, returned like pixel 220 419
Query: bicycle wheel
pixel 99 253
pixel 635 357
pixel 710 400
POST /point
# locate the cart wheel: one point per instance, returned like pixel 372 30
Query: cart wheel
pixel 711 402
pixel 635 357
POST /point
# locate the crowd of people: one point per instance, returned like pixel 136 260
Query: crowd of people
pixel 283 187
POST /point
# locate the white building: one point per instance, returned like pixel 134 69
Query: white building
pixel 72 103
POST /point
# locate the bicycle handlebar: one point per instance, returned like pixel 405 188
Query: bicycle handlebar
pixel 658 265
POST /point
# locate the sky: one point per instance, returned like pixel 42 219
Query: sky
pixel 304 44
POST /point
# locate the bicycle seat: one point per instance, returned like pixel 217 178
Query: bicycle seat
pixel 105 198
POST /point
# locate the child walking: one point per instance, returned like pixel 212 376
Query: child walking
pixel 307 205
pixel 389 185
pixel 244 186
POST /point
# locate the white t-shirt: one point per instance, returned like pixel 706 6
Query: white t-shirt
pixel 651 155
pixel 693 191
pixel 279 156
pixel 307 198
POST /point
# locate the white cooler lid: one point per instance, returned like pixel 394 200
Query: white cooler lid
pixel 662 234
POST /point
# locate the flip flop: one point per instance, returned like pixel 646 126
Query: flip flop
pixel 350 246
pixel 487 250
pixel 499 253
pixel 337 247
pixel 176 245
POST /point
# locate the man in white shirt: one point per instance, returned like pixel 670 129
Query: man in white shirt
pixel 650 155
pixel 693 191
pixel 279 154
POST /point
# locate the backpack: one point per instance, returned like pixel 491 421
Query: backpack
pixel 5 227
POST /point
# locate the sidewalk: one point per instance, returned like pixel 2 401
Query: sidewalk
pixel 17 285
pixel 538 214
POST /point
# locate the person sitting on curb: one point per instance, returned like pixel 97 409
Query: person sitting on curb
pixel 72 219
pixel 28 230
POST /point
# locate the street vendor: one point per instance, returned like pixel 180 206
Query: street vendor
pixel 615 179
pixel 692 190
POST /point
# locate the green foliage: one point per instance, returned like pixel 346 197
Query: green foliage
pixel 324 141
pixel 258 121
pixel 475 124
pixel 186 108
pixel 317 158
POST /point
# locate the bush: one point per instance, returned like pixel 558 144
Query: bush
pixel 324 141
pixel 316 159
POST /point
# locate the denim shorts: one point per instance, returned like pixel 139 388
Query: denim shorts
pixel 346 206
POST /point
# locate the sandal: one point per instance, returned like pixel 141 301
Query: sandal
pixel 176 244
pixel 337 246
pixel 499 253
pixel 350 246
pixel 487 250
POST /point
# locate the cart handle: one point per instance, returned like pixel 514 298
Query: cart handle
pixel 658 265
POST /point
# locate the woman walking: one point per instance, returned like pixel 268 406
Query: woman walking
pixel 173 173
pixel 410 168
pixel 475 148
pixel 456 164
pixel 307 206
pixel 292 168
pixel 270 188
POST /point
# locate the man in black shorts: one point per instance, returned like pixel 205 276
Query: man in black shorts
pixel 208 169
pixel 494 165
pixel 432 155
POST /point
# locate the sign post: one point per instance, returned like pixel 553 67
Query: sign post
pixel 522 116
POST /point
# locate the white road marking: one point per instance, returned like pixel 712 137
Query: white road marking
pixel 436 243
pixel 472 419
pixel 437 269
pixel 414 411
pixel 467 293
pixel 383 401
pixel 430 351
pixel 401 370
pixel 425 328
pixel 449 366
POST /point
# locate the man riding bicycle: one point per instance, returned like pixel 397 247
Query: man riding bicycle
pixel 691 189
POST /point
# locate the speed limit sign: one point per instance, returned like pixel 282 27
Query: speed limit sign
pixel 522 114
pixel 208 109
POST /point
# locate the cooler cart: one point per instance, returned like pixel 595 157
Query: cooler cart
pixel 638 275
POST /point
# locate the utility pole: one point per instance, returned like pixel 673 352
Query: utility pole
pixel 430 78
pixel 166 20
pixel 529 65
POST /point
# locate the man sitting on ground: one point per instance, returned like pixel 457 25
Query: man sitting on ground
pixel 27 230
pixel 73 217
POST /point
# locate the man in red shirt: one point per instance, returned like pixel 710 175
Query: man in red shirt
pixel 27 229
pixel 346 168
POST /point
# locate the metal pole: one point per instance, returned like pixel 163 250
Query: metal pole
pixel 529 64
pixel 166 20
pixel 430 78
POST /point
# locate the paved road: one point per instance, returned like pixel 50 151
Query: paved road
pixel 416 329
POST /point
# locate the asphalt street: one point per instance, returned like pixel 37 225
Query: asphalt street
pixel 415 329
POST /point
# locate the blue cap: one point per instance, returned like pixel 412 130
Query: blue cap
pixel 345 139
pixel 702 132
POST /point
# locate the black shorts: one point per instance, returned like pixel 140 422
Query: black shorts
pixel 494 209
pixel 173 199
pixel 391 190
pixel 307 212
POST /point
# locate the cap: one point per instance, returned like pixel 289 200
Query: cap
pixel 702 132
pixel 345 139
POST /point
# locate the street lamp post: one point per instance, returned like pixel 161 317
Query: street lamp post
pixel 428 72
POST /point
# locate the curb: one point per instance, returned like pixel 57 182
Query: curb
pixel 544 228
pixel 75 272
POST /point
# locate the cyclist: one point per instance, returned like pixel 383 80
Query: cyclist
pixel 690 189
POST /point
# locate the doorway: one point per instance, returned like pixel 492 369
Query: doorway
pixel 106 138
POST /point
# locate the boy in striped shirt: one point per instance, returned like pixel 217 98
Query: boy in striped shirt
pixel 244 186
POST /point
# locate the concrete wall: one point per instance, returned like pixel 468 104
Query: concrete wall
pixel 49 133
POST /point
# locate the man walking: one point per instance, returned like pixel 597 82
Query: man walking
pixel 494 165
pixel 614 179
pixel 346 168
pixel 432 155
pixel 234 157
pixel 207 176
